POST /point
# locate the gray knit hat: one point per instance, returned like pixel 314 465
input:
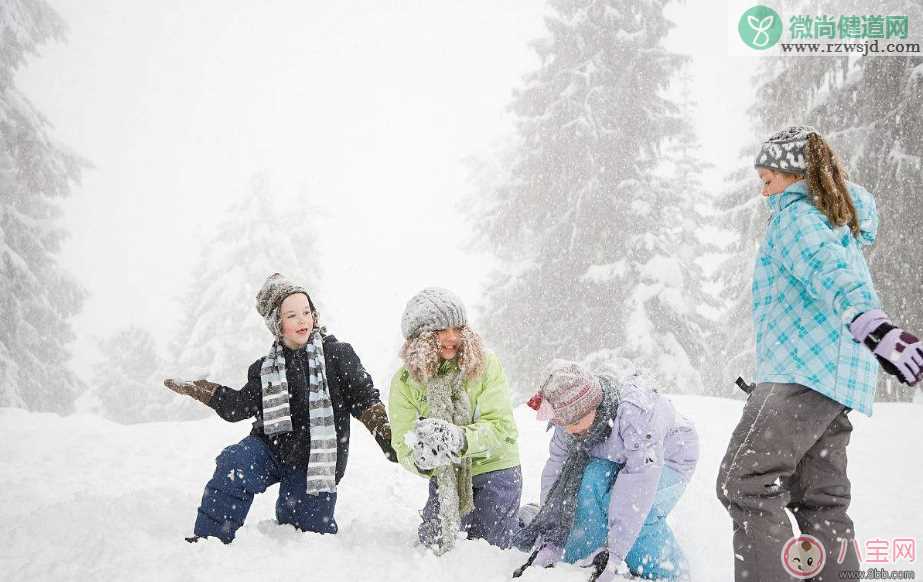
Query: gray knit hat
pixel 432 309
pixel 568 393
pixel 784 151
pixel 270 297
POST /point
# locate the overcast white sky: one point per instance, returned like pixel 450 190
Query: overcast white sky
pixel 368 106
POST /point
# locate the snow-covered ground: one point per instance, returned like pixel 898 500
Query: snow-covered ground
pixel 84 498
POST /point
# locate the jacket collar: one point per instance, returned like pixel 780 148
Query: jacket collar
pixel 792 194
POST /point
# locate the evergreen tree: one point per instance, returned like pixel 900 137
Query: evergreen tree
pixel 37 297
pixel 580 221
pixel 127 384
pixel 689 218
pixel 743 212
pixel 221 333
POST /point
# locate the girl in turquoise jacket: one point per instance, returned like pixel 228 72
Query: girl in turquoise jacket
pixel 452 422
pixel 820 338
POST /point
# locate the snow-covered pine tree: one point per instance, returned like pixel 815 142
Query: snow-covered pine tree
pixel 221 334
pixel 127 384
pixel 743 212
pixel 37 297
pixel 689 223
pixel 580 222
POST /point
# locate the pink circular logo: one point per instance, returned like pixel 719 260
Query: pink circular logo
pixel 803 556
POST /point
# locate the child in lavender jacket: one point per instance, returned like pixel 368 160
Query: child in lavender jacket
pixel 626 455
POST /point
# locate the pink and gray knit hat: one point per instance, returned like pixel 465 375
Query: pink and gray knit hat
pixel 568 393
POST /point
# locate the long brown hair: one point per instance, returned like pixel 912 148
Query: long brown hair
pixel 826 179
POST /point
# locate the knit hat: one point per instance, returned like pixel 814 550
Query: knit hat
pixel 432 309
pixel 784 151
pixel 568 393
pixel 270 297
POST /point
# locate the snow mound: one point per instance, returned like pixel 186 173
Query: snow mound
pixel 86 498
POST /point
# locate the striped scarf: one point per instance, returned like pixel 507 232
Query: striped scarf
pixel 277 414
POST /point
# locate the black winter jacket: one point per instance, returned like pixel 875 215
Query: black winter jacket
pixel 351 392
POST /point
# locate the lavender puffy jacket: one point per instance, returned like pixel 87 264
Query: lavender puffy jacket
pixel 648 434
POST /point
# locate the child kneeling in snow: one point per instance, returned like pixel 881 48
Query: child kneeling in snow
pixel 301 394
pixel 621 456
pixel 452 419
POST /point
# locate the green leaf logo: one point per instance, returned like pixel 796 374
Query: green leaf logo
pixel 760 27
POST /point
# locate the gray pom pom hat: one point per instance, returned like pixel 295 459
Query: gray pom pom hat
pixel 784 151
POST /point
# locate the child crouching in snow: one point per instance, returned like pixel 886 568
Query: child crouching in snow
pixel 452 419
pixel 301 394
pixel 621 456
pixel 819 331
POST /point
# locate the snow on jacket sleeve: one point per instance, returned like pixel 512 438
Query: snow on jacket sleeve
pixel 815 254
pixel 633 492
pixel 557 450
pixel 234 405
pixel 493 428
pixel 403 413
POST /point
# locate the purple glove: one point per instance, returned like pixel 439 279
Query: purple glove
pixel 548 556
pixel 900 353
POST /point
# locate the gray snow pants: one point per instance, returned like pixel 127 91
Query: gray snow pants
pixel 788 452
pixel 496 501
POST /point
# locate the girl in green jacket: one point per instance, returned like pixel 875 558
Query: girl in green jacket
pixel 452 422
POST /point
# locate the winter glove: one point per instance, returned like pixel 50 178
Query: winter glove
pixel 376 420
pixel 437 443
pixel 201 390
pixel 900 353
pixel 548 556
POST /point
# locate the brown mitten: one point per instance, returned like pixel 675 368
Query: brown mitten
pixel 201 390
pixel 375 418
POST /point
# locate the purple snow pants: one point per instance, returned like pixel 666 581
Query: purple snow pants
pixel 496 501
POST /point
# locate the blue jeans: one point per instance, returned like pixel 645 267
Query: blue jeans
pixel 655 553
pixel 248 468
pixel 496 501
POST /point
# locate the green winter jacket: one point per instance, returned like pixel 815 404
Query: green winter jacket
pixel 491 435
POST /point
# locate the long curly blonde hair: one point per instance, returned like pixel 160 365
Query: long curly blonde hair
pixel 420 354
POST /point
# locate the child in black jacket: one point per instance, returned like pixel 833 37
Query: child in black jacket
pixel 301 395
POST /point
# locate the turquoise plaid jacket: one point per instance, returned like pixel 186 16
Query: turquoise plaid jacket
pixel 809 282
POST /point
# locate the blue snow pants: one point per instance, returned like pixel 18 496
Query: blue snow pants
pixel 248 468
pixel 656 555
pixel 496 501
